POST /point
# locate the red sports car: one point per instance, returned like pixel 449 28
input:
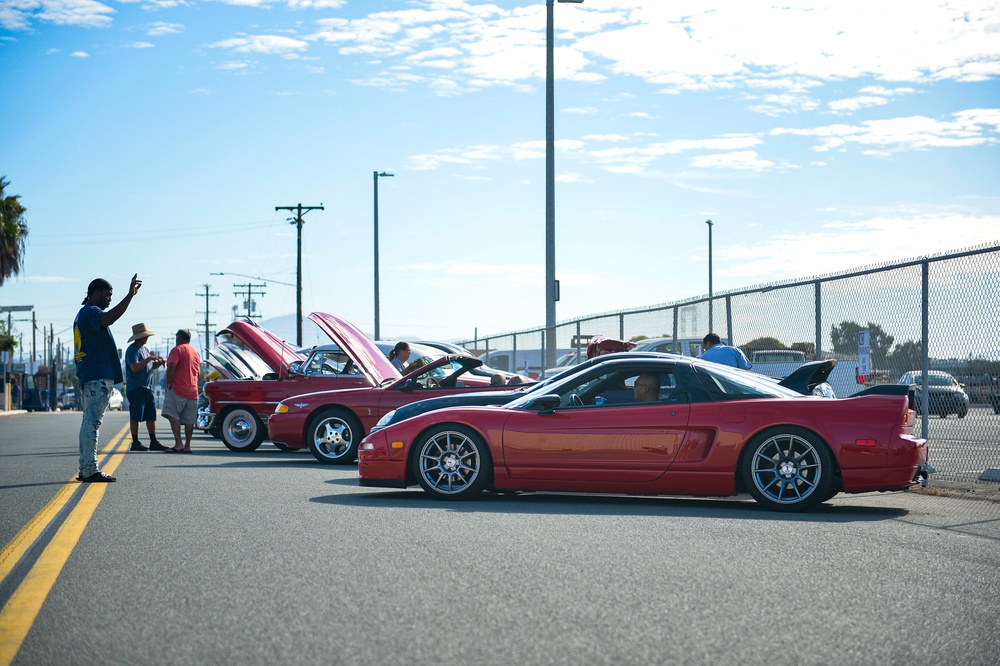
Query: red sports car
pixel 332 423
pixel 658 426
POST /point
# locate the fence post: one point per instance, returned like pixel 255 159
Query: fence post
pixel 818 289
pixel 729 320
pixel 924 342
pixel 676 317
pixel 621 326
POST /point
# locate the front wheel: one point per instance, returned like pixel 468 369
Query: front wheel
pixel 242 430
pixel 333 437
pixel 788 469
pixel 452 462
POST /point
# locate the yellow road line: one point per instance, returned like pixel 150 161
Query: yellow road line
pixel 23 540
pixel 18 615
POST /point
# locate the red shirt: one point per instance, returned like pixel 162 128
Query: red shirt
pixel 185 380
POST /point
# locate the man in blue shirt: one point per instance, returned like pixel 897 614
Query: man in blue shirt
pixel 713 350
pixel 97 367
pixel 139 366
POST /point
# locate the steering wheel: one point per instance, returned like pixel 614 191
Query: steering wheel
pixel 433 383
pixel 575 400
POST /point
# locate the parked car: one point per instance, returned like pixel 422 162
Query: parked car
pixel 683 346
pixel 808 379
pixel 944 395
pixel 711 431
pixel 483 370
pixel 332 423
pixel 239 408
pixel 421 353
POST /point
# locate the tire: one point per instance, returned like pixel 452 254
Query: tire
pixel 962 411
pixel 333 437
pixel 452 462
pixel 241 429
pixel 788 469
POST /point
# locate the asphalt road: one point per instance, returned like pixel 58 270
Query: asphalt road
pixel 267 557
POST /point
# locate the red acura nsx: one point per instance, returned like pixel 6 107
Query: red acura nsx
pixel 659 426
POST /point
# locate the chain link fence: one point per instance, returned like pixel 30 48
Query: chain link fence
pixel 935 319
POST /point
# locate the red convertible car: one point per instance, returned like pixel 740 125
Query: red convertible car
pixel 239 408
pixel 332 423
pixel 658 426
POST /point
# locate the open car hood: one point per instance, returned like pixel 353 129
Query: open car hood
pixel 808 376
pixel 218 367
pixel 274 351
pixel 467 363
pixel 370 360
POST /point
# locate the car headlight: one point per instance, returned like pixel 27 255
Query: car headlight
pixel 282 408
pixel 383 422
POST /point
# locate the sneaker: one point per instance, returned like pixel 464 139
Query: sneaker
pixel 96 477
pixel 137 446
pixel 156 446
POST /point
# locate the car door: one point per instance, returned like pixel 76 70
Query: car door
pixel 609 438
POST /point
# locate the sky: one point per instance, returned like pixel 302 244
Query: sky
pixel 158 136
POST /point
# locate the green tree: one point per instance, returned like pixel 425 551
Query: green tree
pixel 13 232
pixel 907 356
pixel 762 344
pixel 844 337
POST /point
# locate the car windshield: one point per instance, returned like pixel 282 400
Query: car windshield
pixel 940 380
pixel 727 383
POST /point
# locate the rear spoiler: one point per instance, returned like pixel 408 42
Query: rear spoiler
pixel 808 376
pixel 892 389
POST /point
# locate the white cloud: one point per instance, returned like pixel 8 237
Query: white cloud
pixel 973 127
pixel 19 14
pixel 160 28
pixel 80 54
pixel 843 245
pixel 744 160
pixel 139 45
pixel 265 44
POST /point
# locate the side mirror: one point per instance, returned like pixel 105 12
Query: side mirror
pixel 295 368
pixel 546 404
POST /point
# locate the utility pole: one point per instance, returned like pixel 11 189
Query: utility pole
pixel 208 324
pixel 249 287
pixel 710 329
pixel 297 221
pixel 34 337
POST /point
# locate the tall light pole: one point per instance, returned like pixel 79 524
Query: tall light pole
pixel 551 285
pixel 375 176
pixel 709 223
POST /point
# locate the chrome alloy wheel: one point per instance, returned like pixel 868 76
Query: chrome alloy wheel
pixel 449 463
pixel 333 437
pixel 786 469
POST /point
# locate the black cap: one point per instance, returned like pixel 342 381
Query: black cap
pixel 99 284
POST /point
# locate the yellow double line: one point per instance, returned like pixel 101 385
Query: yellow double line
pixel 17 616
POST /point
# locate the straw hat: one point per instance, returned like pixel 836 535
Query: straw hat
pixel 140 331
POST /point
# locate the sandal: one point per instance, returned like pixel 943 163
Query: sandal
pixel 173 451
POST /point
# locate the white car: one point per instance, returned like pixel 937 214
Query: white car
pixel 117 400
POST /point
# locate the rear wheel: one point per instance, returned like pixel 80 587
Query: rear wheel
pixel 452 462
pixel 333 437
pixel 242 429
pixel 788 469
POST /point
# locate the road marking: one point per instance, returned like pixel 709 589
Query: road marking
pixel 18 615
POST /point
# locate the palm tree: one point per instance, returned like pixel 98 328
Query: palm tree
pixel 13 232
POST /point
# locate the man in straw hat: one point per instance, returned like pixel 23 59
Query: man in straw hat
pixel 139 366
pixel 97 367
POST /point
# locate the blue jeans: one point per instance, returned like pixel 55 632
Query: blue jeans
pixel 95 396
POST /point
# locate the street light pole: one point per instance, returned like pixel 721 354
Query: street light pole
pixel 375 176
pixel 551 286
pixel 709 223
